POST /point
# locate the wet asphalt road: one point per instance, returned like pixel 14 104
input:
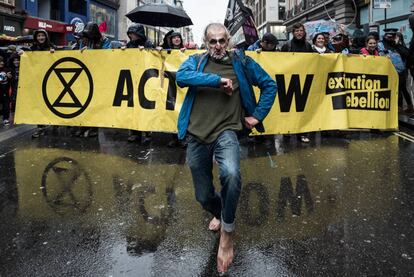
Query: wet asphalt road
pixel 341 206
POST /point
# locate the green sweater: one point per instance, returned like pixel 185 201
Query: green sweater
pixel 213 110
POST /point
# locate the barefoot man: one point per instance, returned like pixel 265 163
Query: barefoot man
pixel 219 101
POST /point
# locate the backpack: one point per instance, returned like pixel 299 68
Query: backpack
pixel 395 57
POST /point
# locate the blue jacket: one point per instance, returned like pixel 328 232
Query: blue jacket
pixel 254 46
pixel 248 73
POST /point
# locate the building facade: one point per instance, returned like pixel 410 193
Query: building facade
pixel 355 14
pixel 394 17
pixel 342 11
pixel 60 18
pixel 269 16
pixel 11 23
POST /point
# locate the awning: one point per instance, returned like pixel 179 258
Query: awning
pixel 48 25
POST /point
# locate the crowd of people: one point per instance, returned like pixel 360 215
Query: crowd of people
pixel 219 102
pixel 392 45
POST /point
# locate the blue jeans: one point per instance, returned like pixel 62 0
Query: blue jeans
pixel 226 152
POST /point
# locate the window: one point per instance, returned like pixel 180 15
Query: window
pixel 77 6
pixel 54 10
pixel 10 2
pixel 398 8
pixel 100 14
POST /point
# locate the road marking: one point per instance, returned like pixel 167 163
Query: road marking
pixel 272 163
pixel 404 136
pixel 4 154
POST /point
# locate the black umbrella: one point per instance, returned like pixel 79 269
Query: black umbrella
pixel 161 15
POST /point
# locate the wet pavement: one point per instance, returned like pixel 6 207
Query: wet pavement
pixel 341 206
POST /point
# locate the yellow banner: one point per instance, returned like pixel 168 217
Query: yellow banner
pixel 135 89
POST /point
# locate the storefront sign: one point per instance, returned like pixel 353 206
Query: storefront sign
pixel 382 4
pixel 78 23
pixel 11 26
pixel 48 25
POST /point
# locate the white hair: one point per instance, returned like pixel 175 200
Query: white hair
pixel 215 26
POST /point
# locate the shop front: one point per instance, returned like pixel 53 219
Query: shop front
pixel 57 30
pixel 11 25
pixel 105 15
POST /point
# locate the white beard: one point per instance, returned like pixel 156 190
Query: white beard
pixel 217 56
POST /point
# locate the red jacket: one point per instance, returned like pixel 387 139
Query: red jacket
pixel 365 51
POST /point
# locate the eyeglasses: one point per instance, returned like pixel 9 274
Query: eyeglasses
pixel 221 41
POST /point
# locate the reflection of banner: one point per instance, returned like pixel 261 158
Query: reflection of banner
pixel 240 23
pixel 278 193
pixel 123 89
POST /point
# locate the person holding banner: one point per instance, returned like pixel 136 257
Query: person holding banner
pixel 318 45
pixel 299 44
pixel 6 78
pixel 370 48
pixel 91 39
pixel 41 43
pixel 267 43
pixel 393 47
pixel 138 39
pixel 219 101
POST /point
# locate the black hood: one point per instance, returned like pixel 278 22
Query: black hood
pixel 91 31
pixel 175 34
pixel 139 30
pixel 41 46
pixel 35 33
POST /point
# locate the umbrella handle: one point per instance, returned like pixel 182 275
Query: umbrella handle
pixel 163 58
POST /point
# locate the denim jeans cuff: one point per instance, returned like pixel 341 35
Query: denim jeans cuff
pixel 228 227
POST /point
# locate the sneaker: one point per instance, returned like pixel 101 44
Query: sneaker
pixel 38 133
pixel 146 141
pixel 90 133
pixel 93 133
pixel 304 139
pixel 78 133
pixel 132 138
pixel 172 143
pixel 86 134
pixel 6 122
pixel 409 110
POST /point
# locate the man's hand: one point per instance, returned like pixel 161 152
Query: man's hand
pixel 259 50
pixel 141 48
pixel 52 50
pixel 250 122
pixel 226 85
pixel 123 47
pixel 83 49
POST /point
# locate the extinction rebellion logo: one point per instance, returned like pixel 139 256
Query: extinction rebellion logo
pixel 67 87
pixel 359 91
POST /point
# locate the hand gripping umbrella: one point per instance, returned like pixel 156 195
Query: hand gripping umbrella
pixel 161 15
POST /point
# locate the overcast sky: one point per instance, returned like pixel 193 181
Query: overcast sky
pixel 204 12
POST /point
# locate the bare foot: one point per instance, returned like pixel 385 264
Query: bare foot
pixel 214 225
pixel 225 252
